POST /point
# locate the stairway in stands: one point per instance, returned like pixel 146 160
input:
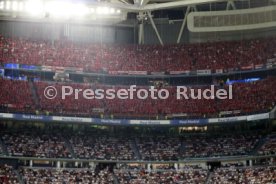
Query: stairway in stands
pixel 19 177
pixel 69 147
pixel 4 148
pixel 116 181
pixel 34 94
pixel 135 149
pixel 209 176
pixel 259 145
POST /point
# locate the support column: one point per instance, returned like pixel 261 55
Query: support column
pixel 250 163
pixel 141 33
pixel 64 164
pixel 176 166
pixel 31 163
pixel 231 4
pixel 58 164
pixel 92 165
pixel 154 27
pixel 149 167
pixel 183 24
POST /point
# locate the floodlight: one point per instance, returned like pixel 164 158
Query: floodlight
pixel 59 9
pixel 14 5
pixel 21 6
pixel 8 5
pixel 80 10
pixel 2 5
pixel 112 10
pixel 34 7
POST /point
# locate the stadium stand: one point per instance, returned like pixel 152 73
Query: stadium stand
pixel 228 145
pixel 7 175
pixel 97 58
pixel 269 147
pixel 102 146
pixel 244 175
pixel 16 96
pixel 35 145
pixel 60 176
pixel 159 148
pixel 103 44
pixel 248 98
pixel 171 176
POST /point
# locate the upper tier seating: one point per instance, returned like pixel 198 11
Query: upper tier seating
pixel 151 58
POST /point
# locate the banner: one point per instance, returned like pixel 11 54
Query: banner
pixel 179 72
pixel 203 72
pixel 249 67
pixel 219 70
pixel 67 119
pixel 137 72
pixel 98 110
pixel 178 115
pixel 157 73
pixel 258 117
pixel 259 66
pixel 149 122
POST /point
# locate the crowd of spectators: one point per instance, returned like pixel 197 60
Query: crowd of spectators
pixel 7 175
pixel 248 98
pixel 62 176
pixel 269 147
pixel 102 147
pixel 69 105
pixel 248 175
pixel 228 145
pixel 151 58
pixel 190 176
pixel 159 148
pixel 35 145
pixel 16 95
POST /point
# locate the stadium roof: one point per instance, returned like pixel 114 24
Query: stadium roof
pixel 151 5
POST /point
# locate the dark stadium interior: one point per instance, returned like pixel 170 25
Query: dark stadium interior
pixel 72 74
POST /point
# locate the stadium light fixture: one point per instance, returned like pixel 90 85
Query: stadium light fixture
pixel 34 7
pixel 112 10
pixel 2 5
pixel 59 9
pixel 8 5
pixel 15 6
pixel 80 10
pixel 21 6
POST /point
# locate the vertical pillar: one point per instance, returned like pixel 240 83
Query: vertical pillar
pixel 250 163
pixel 149 167
pixel 58 164
pixel 176 166
pixel 155 28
